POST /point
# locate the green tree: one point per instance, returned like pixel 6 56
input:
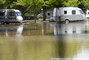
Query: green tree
pixel 56 3
pixel 73 3
pixel 35 5
pixel 1 3
pixel 32 5
pixel 84 4
pixel 7 3
pixel 22 5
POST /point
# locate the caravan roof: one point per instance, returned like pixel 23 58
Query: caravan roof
pixel 69 8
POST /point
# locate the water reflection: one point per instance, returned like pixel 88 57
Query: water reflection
pixel 19 30
pixel 83 54
pixel 72 28
pixel 11 30
pixel 69 29
pixel 45 29
pixel 66 46
pixel 44 41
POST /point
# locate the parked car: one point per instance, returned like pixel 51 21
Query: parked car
pixel 68 14
pixel 10 16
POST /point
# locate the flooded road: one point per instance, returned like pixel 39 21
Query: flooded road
pixel 45 41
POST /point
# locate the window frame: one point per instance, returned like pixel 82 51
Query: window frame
pixel 65 11
pixel 73 12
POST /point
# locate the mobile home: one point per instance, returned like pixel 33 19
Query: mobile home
pixel 68 14
pixel 10 15
pixel 87 14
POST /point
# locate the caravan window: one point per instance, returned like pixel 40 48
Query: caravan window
pixel 81 11
pixel 88 12
pixel 73 11
pixel 65 12
pixel 11 13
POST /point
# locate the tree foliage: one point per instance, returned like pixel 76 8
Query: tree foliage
pixel 7 3
pixel 30 4
pixel 25 5
pixel 73 3
pixel 56 3
pixel 85 4
pixel 38 4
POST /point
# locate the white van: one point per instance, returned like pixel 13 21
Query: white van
pixel 87 14
pixel 68 14
pixel 10 16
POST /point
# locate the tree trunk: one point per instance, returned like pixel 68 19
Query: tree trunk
pixel 23 12
pixel 35 15
pixel 44 15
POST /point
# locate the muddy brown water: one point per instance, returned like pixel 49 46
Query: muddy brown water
pixel 44 41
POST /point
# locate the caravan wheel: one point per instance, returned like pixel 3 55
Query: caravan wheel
pixel 67 21
pixel 2 23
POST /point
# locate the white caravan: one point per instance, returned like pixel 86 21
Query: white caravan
pixel 10 16
pixel 68 14
pixel 87 14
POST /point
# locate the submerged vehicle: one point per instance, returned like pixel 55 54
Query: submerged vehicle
pixel 68 14
pixel 10 16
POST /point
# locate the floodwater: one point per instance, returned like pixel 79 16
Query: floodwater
pixel 45 41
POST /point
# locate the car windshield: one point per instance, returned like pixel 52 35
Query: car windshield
pixel 18 13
